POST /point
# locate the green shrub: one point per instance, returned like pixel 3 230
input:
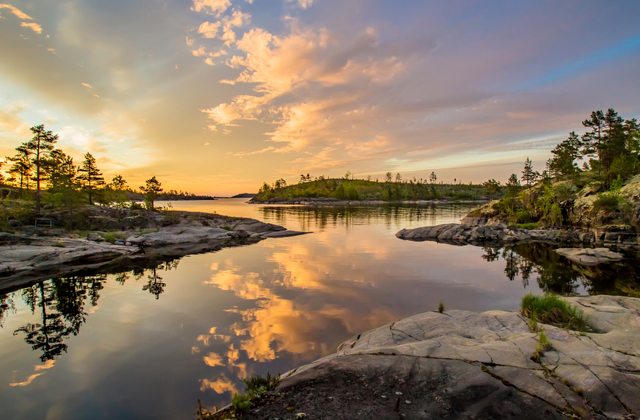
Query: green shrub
pixel 523 216
pixel 241 403
pixel 550 309
pixel 259 385
pixel 441 307
pixel 606 202
pixel 227 227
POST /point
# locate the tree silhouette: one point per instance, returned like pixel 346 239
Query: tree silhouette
pixel 151 190
pixel 154 285
pixel 49 336
pixel 21 166
pixel 91 175
pixel 40 146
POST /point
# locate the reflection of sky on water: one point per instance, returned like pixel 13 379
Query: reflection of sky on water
pixel 223 316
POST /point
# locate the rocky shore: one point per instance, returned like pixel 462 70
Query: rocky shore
pixel 321 201
pixel 462 365
pixel 477 231
pixel 37 253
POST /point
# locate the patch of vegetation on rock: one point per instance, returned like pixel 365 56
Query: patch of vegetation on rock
pixel 552 310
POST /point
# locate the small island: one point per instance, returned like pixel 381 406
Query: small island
pixel 352 191
pixel 597 203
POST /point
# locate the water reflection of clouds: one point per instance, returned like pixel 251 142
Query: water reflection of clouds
pixel 278 321
pixel 45 366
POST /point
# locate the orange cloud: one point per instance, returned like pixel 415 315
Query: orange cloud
pixel 33 26
pixel 214 7
pixel 20 14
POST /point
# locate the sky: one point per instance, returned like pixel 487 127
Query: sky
pixel 218 96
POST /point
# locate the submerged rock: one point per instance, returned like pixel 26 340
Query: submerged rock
pixel 587 256
pixel 462 365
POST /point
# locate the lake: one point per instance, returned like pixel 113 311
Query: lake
pixel 150 342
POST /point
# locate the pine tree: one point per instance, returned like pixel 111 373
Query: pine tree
pixel 22 166
pixel 565 154
pixel 529 176
pixel 91 175
pixel 40 146
pixel 151 190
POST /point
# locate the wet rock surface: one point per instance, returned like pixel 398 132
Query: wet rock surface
pixel 464 365
pixel 470 231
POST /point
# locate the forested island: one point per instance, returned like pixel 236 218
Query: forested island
pixel 322 190
pixel 588 193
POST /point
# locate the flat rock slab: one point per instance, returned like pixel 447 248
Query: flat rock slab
pixel 465 365
pixel 283 234
pixel 586 256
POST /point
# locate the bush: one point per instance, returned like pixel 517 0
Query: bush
pixel 241 403
pixel 606 202
pixel 259 385
pixel 523 216
pixel 550 309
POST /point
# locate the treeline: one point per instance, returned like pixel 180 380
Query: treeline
pixel 350 188
pixel 41 172
pixel 604 158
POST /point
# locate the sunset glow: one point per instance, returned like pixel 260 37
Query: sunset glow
pixel 217 96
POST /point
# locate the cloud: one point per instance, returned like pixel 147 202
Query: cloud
pixel 51 50
pixel 20 14
pixel 295 74
pixel 214 7
pixel 209 61
pixel 86 85
pixel 302 3
pixel 208 29
pixel 33 26
pixel 199 52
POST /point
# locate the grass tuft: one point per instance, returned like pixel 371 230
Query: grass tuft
pixel 441 307
pixel 550 309
pixel 259 385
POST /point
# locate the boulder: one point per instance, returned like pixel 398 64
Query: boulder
pixel 588 256
pixel 462 365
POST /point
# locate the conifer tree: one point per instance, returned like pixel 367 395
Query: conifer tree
pixel 22 166
pixel 529 176
pixel 40 146
pixel 91 175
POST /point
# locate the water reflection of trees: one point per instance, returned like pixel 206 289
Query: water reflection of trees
pixel 60 305
pixel 558 275
pixel 322 216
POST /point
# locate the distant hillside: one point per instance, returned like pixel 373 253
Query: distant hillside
pixel 354 190
pixel 243 195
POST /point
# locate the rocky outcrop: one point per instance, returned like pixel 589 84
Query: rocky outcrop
pixel 588 256
pixel 28 258
pixel 474 231
pixel 463 365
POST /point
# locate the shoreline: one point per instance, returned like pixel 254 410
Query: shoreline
pixel 336 202
pixel 459 364
pixel 480 232
pixel 41 254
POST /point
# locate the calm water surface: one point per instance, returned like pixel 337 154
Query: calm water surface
pixel 149 342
